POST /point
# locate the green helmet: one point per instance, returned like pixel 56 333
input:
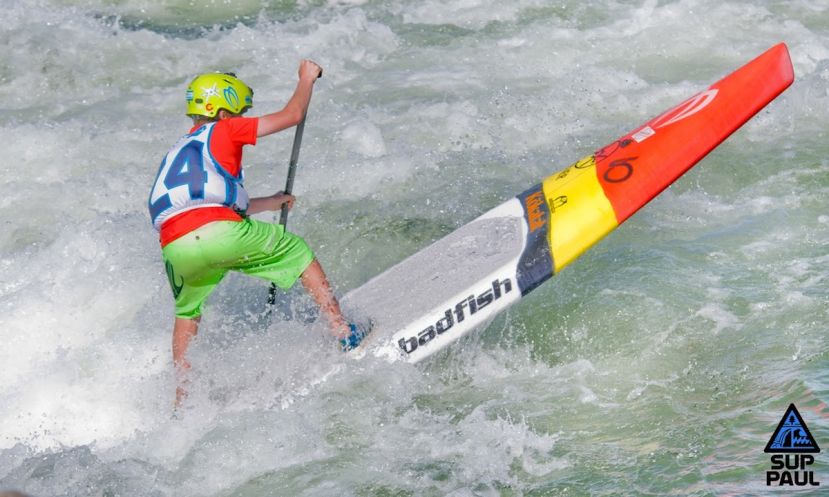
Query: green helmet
pixel 213 91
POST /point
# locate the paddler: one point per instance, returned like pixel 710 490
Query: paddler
pixel 201 210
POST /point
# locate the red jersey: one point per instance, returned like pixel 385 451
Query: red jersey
pixel 225 147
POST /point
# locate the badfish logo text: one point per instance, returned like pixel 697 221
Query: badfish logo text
pixel 474 303
pixel 792 445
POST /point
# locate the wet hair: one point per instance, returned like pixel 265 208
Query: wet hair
pixel 196 120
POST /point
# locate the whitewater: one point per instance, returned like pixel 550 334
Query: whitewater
pixel 659 363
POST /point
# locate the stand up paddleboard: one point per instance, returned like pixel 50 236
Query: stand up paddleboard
pixel 446 290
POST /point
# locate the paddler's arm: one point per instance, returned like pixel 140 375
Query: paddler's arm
pixel 271 203
pixel 297 106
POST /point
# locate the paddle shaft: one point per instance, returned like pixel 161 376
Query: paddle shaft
pixel 289 186
pixel 289 183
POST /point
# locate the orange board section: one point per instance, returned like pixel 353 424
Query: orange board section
pixel 638 166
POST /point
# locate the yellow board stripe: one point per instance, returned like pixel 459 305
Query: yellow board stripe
pixel 580 214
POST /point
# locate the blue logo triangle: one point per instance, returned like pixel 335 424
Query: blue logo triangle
pixel 792 435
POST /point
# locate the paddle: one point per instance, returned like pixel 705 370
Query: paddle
pixel 289 186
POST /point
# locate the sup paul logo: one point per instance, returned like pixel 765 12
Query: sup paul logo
pixel 792 445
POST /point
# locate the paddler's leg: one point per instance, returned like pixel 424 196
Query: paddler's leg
pixel 183 332
pixel 269 252
pixel 316 283
pixel 192 278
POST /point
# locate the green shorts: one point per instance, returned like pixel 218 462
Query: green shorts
pixel 199 260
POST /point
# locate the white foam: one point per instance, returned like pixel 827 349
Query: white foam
pixel 427 111
pixel 364 138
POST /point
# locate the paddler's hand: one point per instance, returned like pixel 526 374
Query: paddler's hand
pixel 309 70
pixel 294 111
pixel 271 203
pixel 282 198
